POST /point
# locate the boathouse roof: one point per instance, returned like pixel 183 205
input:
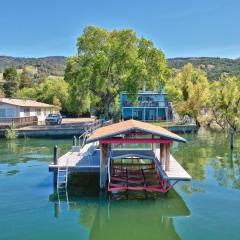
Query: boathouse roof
pixel 130 126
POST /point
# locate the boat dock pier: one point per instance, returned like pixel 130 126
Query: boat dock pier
pixel 114 152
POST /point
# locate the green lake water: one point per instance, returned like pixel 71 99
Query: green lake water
pixel 208 207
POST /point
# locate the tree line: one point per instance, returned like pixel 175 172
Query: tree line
pixel 108 62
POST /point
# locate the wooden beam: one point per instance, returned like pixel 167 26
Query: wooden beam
pixel 134 140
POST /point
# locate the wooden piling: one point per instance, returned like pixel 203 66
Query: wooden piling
pixel 55 155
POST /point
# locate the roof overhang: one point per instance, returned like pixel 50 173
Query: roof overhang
pixel 130 127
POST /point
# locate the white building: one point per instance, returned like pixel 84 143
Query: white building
pixel 18 108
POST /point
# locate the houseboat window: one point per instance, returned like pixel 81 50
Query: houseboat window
pixel 2 113
pixel 26 112
pixel 38 111
pixel 9 113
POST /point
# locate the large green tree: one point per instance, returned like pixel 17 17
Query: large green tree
pixel 110 62
pixel 225 101
pixel 52 91
pixel 11 84
pixel 189 92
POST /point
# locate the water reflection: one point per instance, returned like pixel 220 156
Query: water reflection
pixel 23 150
pixel 209 149
pixel 126 216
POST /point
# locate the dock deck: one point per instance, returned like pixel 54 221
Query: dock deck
pixel 85 160
pixel 88 160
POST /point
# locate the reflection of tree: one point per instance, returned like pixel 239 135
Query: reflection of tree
pixel 139 219
pixel 227 170
pixel 23 150
pixel 208 148
pixel 142 218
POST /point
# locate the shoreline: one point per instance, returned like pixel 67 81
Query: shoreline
pixel 70 131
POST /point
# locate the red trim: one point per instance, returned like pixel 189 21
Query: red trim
pixel 135 140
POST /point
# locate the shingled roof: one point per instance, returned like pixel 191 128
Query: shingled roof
pixel 25 103
pixel 133 125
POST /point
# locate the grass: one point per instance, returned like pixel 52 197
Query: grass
pixel 169 124
pixel 164 124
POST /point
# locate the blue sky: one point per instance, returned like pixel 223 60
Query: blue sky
pixel 181 28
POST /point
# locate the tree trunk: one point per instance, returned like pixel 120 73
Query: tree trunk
pixel 106 110
pixel 197 123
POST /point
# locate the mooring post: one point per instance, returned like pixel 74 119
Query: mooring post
pixel 231 138
pixel 74 141
pixel 55 155
pixel 55 162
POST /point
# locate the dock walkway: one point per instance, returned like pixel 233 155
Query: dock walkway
pixel 88 160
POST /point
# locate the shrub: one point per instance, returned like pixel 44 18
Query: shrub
pixel 11 133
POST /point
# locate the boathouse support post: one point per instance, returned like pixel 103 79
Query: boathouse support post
pixel 103 164
pixel 165 155
pixel 167 160
pixel 162 154
pixel 153 145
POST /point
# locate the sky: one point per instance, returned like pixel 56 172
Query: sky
pixel 180 28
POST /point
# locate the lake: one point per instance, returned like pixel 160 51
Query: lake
pixel 208 207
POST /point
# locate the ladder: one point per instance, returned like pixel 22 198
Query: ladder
pixel 62 177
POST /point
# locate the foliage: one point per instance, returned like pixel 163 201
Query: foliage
pixel 189 91
pixel 11 84
pixel 109 62
pixel 11 133
pixel 27 93
pixel 50 91
pixel 2 93
pixel 225 101
pixel 27 77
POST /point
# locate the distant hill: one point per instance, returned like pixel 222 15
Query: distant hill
pixel 214 67
pixel 45 66
pixel 54 66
